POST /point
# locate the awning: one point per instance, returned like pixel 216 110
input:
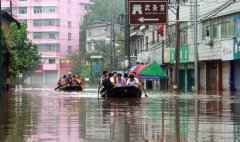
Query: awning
pixel 136 69
pixel 153 72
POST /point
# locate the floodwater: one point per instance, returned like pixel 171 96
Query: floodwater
pixel 35 115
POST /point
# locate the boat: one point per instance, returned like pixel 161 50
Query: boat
pixel 123 92
pixel 70 88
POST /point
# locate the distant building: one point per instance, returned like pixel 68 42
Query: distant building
pixel 54 26
pixel 99 31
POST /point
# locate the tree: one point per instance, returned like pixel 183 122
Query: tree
pixel 78 67
pixel 3 68
pixel 24 56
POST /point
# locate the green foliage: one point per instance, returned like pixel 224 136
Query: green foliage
pixel 78 68
pixel 24 55
pixel 82 70
pixel 2 58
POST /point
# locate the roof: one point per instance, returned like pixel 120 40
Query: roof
pixel 99 24
pixel 8 17
pixel 226 9
pixel 233 8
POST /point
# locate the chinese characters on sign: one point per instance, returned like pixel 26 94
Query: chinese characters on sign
pixel 147 11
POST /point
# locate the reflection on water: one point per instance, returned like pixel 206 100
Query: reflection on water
pixel 46 116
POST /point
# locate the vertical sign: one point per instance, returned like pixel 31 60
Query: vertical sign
pixel 147 11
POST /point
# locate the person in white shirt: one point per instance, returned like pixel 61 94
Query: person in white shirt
pixel 132 81
pixel 120 81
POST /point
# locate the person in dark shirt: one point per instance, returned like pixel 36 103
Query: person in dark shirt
pixel 107 84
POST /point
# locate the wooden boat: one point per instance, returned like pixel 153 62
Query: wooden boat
pixel 70 88
pixel 123 92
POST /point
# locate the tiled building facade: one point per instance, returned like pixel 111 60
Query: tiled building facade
pixel 53 25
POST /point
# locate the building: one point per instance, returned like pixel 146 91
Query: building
pixel 54 27
pixel 218 46
pixel 6 20
pixel 100 31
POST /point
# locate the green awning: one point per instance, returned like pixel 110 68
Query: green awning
pixel 153 71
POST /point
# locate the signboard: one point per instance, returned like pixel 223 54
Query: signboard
pixel 147 11
pixel 184 54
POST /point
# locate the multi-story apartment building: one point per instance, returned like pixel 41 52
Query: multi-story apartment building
pixel 53 25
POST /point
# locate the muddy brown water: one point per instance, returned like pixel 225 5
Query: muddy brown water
pixel 48 116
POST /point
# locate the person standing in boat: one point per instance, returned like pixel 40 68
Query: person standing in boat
pixel 120 81
pixel 103 77
pixel 132 81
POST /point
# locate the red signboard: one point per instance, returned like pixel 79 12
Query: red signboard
pixel 147 11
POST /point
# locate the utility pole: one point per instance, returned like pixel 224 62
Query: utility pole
pixel 177 50
pixel 127 33
pixel 196 46
pixel 11 11
pixel 113 54
pixel 1 16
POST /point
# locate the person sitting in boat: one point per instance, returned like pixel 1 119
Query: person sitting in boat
pixel 113 79
pixel 61 82
pixel 69 79
pixel 125 76
pixel 132 81
pixel 79 80
pixel 103 77
pixel 76 81
pixel 120 81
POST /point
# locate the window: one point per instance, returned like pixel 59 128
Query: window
pixel 7 9
pixel 237 25
pixel 69 49
pixel 172 36
pixel 153 37
pixel 227 28
pixel 45 35
pixel 69 24
pixel 46 22
pixel 69 36
pixel 53 47
pixel 146 43
pixel 45 9
pixel 51 60
pixel 24 21
pixel 216 31
pixel 207 32
pixel 89 33
pixel 22 10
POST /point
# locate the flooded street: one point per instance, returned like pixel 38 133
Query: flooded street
pixel 48 116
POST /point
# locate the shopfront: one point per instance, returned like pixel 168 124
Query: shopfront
pixel 186 69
